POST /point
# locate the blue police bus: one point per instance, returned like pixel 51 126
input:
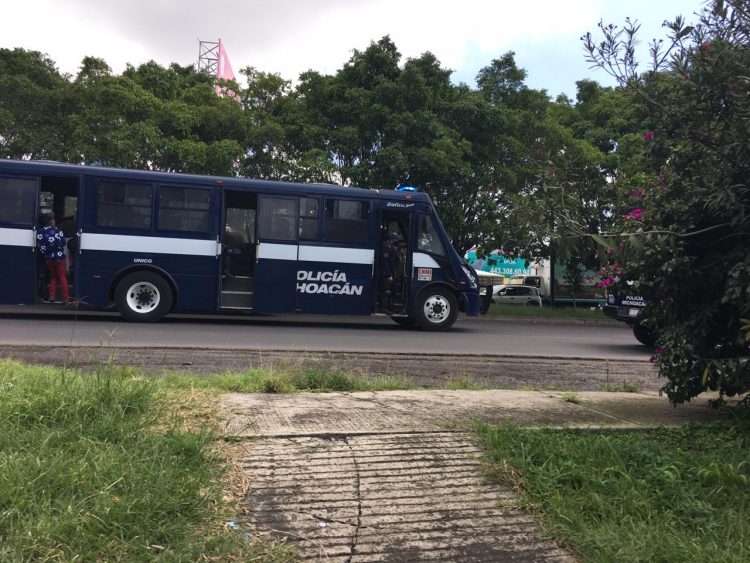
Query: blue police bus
pixel 151 243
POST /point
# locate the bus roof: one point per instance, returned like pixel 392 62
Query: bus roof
pixel 59 168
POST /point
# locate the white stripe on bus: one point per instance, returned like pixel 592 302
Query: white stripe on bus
pixel 271 251
pixel 17 237
pixel 308 253
pixel 155 245
pixel 422 260
pixel 333 254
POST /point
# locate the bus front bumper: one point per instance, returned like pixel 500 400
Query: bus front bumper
pixel 472 303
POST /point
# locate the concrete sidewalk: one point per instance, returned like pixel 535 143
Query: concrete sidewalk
pixel 376 412
pixel 397 475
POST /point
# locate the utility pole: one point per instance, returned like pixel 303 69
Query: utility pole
pixel 552 243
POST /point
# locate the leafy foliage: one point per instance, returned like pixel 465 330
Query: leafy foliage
pixel 685 202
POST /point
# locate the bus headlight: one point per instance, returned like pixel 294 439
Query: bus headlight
pixel 473 280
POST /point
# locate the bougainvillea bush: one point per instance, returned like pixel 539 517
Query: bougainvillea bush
pixel 683 237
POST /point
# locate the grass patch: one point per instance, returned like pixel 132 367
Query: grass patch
pixel 100 466
pixel 463 383
pixel 571 397
pixel 279 380
pixel 664 495
pixel 581 312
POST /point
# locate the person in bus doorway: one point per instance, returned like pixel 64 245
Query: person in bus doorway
pixel 51 243
pixel 389 266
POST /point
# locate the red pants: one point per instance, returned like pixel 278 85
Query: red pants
pixel 57 273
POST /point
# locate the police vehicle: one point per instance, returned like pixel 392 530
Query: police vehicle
pixel 151 243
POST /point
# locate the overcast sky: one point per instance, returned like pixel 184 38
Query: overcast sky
pixel 291 36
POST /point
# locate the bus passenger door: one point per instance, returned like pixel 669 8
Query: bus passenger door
pixel 18 255
pixel 276 255
pixel 238 246
pixel 393 262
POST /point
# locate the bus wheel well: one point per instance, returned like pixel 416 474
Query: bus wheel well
pixel 140 268
pixel 442 285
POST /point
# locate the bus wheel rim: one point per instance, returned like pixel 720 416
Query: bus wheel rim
pixel 143 297
pixel 437 309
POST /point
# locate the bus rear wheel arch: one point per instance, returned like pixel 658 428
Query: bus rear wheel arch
pixel 436 308
pixel 143 296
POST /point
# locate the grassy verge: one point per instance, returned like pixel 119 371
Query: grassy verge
pixel 664 495
pixel 280 380
pixel 102 466
pixel 581 312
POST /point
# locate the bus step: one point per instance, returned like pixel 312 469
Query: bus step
pixel 237 284
pixel 236 299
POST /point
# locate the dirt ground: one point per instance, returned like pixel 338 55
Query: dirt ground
pixel 422 370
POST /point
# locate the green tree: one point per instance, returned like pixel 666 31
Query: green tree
pixel 35 105
pixel 686 237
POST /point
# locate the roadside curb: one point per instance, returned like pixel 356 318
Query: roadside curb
pixel 543 320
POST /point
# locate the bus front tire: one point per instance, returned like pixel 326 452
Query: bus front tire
pixel 143 297
pixel 644 335
pixel 436 309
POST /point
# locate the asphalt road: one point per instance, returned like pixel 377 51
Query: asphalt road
pixel 477 336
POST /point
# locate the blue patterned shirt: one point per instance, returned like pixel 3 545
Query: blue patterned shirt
pixel 51 243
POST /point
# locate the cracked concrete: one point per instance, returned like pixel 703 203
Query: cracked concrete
pixel 395 476
pixel 388 497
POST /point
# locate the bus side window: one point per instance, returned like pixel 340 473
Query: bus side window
pixel 184 209
pixel 276 219
pixel 124 204
pixel 19 201
pixel 346 220
pixel 308 218
pixel 428 239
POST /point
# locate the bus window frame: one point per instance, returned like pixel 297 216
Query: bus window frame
pixel 210 228
pixel 96 191
pixel 294 218
pixel 33 218
pixel 366 221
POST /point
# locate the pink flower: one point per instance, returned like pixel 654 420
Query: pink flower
pixel 636 215
pixel 649 136
pixel 655 355
pixel 606 282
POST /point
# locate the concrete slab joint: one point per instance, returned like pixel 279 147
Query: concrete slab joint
pixel 356 477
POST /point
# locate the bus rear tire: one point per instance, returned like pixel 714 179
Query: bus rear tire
pixel 436 309
pixel 143 297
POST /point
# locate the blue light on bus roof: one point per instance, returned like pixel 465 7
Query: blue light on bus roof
pixel 407 189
